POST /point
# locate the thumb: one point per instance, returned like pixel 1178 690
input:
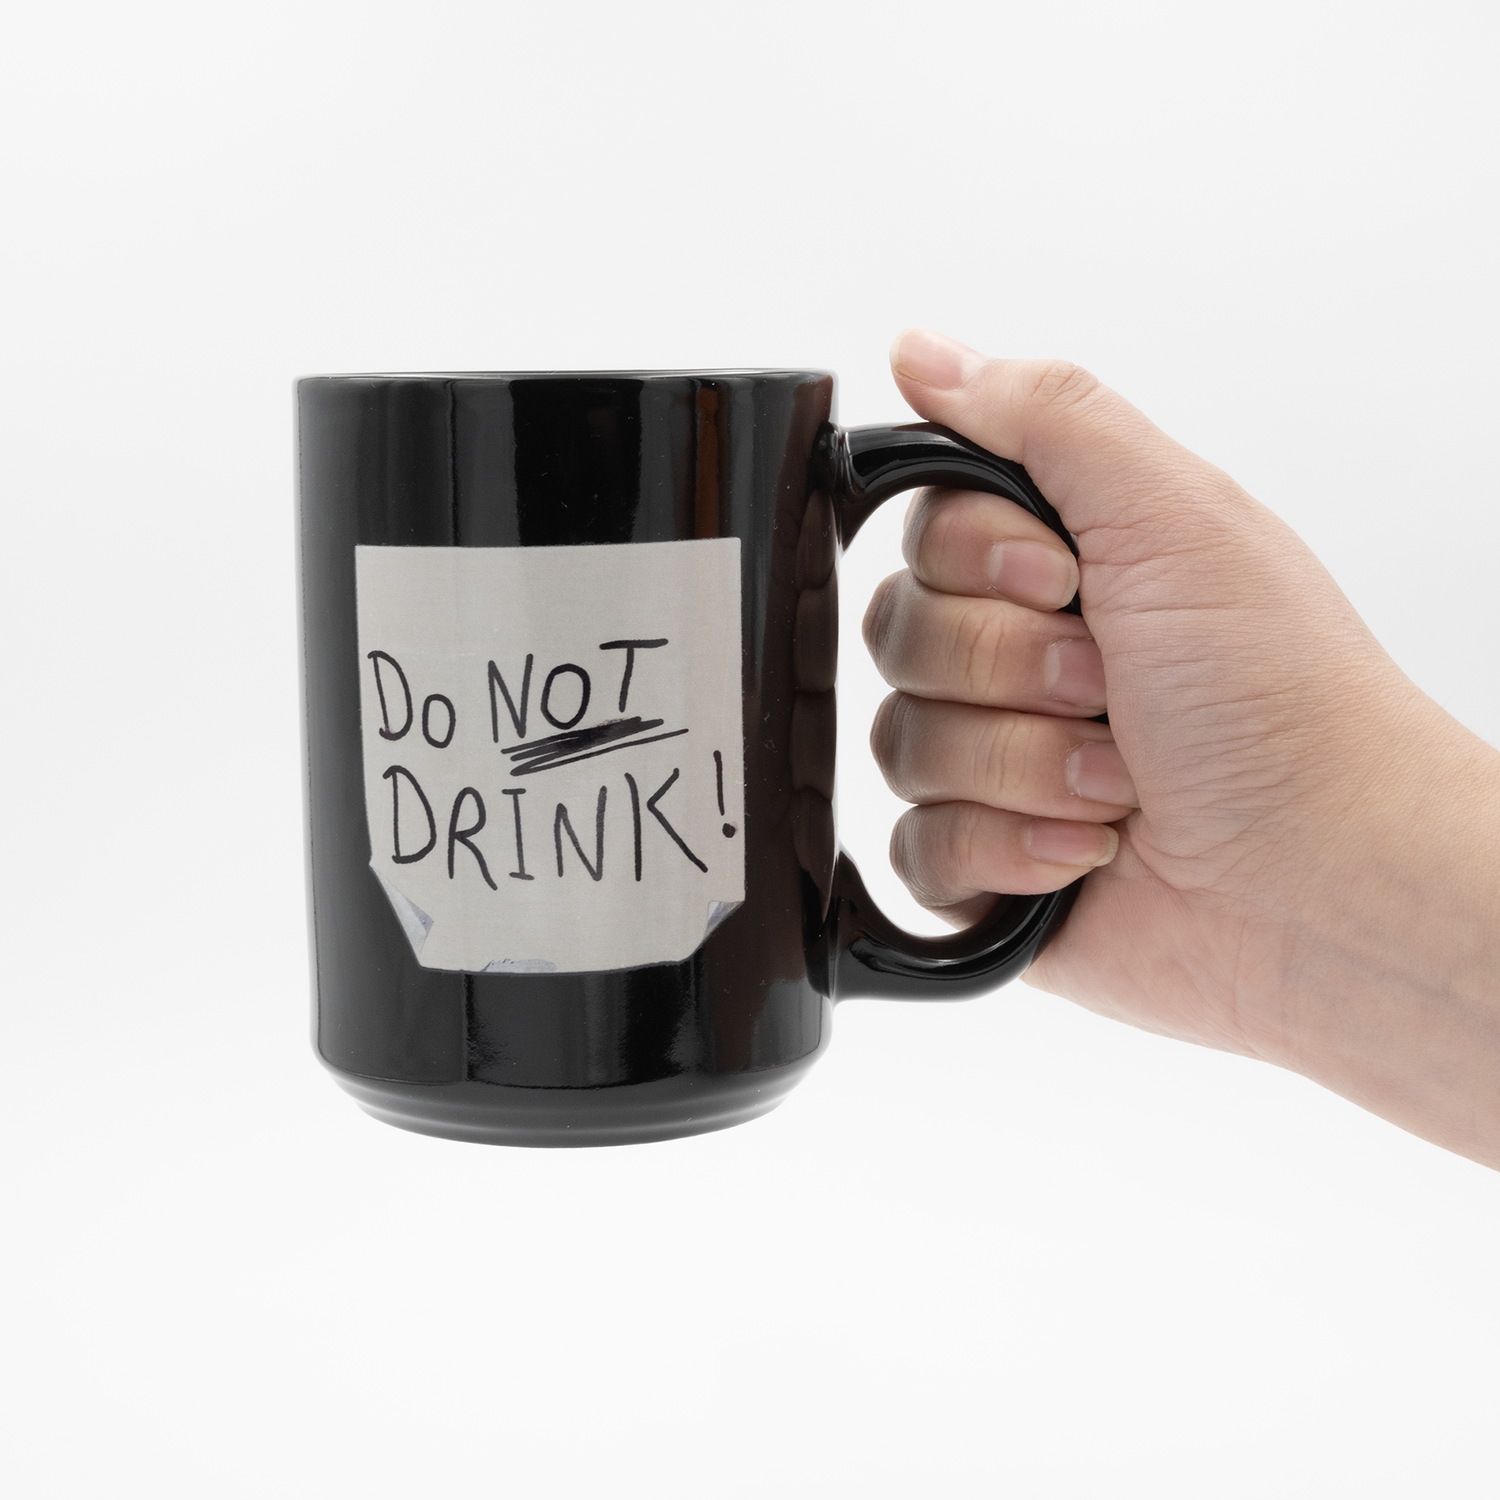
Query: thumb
pixel 1101 462
pixel 1163 535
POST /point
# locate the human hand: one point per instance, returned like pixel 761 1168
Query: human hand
pixel 1293 852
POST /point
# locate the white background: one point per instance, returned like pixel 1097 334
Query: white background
pixel 998 1249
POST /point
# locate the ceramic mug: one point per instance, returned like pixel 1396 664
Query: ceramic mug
pixel 569 654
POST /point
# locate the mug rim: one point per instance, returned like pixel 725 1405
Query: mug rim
pixel 561 376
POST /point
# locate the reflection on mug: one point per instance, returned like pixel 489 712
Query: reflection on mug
pixel 814 735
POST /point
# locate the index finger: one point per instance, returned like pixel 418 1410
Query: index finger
pixel 961 542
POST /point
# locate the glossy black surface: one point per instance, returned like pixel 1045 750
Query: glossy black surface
pixel 531 460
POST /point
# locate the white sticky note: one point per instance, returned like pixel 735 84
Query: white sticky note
pixel 553 761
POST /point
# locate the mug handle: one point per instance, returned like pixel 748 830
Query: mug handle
pixel 869 956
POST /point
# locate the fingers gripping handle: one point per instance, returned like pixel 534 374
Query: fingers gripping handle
pixel 868 954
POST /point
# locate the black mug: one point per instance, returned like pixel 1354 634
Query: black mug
pixel 569 653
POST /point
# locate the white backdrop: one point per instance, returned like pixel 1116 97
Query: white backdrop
pixel 1003 1248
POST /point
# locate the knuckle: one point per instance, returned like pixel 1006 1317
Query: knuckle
pixel 922 853
pixel 950 538
pixel 905 850
pixel 978 650
pixel 1057 385
pixel 880 615
pixel 994 753
pixel 929 526
pixel 965 839
pixel 918 518
pixel 888 738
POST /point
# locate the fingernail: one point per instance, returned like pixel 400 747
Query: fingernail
pixel 1055 841
pixel 1032 573
pixel 934 359
pixel 1074 673
pixel 1097 771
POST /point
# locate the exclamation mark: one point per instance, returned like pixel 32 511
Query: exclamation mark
pixel 719 786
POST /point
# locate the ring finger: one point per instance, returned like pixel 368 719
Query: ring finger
pixel 1029 763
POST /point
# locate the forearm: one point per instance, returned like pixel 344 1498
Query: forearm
pixel 1391 980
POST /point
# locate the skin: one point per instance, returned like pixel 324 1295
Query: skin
pixel 1291 851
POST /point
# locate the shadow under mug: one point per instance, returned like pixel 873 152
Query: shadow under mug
pixel 436 514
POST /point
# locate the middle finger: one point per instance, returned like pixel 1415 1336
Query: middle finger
pixel 1040 765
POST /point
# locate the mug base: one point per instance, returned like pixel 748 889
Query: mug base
pixel 623 1115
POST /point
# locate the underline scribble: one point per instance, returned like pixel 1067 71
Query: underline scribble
pixel 583 744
